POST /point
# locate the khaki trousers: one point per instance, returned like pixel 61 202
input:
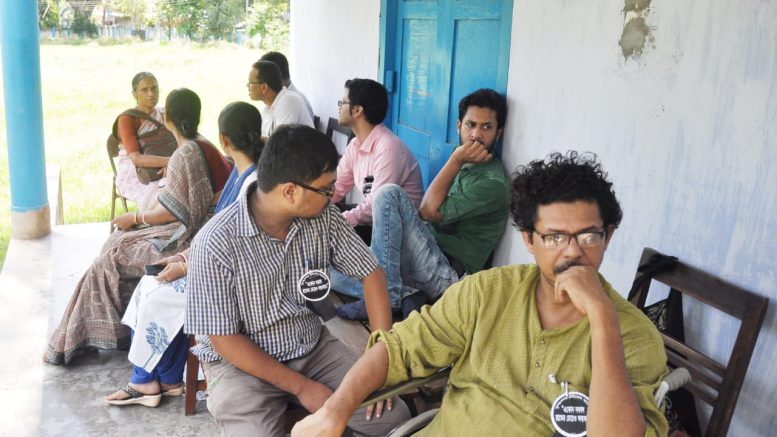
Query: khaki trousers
pixel 244 405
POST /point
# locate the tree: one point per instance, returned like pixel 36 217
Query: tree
pixel 186 16
pixel 135 9
pixel 48 14
pixel 270 20
pixel 221 18
pixel 83 25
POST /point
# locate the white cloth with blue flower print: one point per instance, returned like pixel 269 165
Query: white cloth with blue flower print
pixel 156 313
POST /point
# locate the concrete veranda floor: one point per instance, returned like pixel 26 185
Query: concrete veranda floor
pixel 38 399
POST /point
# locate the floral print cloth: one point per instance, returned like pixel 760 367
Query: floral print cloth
pixel 156 314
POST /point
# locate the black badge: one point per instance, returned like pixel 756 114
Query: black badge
pixel 368 185
pixel 569 414
pixel 314 285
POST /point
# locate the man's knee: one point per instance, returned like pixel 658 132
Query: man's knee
pixel 387 193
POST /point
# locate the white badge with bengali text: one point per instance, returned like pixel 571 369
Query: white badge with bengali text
pixel 569 414
pixel 314 285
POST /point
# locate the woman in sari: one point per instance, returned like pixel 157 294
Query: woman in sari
pixel 132 124
pixel 156 310
pixel 196 174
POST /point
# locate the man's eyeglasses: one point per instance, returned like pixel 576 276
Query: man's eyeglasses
pixel 340 103
pixel 248 84
pixel 321 191
pixel 584 239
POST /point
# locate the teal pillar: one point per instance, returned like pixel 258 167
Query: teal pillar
pixel 24 118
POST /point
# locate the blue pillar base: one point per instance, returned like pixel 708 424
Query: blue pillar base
pixel 31 224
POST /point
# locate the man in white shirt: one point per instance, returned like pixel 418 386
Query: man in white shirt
pixel 280 60
pixel 265 83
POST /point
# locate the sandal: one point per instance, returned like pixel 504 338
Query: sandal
pixel 175 391
pixel 136 397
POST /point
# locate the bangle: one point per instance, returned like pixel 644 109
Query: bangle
pixel 183 257
pixel 135 219
pixel 183 267
pixel 143 218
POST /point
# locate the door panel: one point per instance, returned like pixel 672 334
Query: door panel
pixel 444 50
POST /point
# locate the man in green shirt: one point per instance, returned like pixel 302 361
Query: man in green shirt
pixel 542 349
pixel 461 218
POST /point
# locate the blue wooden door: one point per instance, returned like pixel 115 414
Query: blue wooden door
pixel 433 54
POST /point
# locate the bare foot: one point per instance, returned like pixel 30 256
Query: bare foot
pixel 148 388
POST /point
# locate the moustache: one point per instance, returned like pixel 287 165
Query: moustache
pixel 566 265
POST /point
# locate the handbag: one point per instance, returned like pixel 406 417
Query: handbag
pixel 667 316
pixel 157 142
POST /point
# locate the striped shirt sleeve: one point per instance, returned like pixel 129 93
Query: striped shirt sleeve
pixel 350 255
pixel 211 306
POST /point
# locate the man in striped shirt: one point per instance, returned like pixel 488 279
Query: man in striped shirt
pixel 254 268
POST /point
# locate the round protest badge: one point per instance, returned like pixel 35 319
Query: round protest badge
pixel 569 414
pixel 314 285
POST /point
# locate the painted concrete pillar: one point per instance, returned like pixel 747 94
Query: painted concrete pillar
pixel 24 118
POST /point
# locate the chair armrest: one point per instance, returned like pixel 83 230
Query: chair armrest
pixel 405 387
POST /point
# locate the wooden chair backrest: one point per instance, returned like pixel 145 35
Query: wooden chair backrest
pixel 712 382
pixel 334 126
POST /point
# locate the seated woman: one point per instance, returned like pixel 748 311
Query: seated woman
pixel 130 126
pixel 196 174
pixel 156 309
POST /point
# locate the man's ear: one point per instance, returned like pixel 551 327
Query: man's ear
pixel 499 134
pixel 287 191
pixel 356 110
pixel 458 127
pixel 528 240
pixel 610 230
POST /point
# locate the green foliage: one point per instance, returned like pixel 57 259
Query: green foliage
pixel 83 25
pixel 270 20
pixel 221 18
pixel 201 19
pixel 48 14
pixel 186 16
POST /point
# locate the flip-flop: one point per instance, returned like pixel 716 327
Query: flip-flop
pixel 136 397
pixel 175 391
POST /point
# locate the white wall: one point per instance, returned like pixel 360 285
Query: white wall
pixel 332 41
pixel 688 133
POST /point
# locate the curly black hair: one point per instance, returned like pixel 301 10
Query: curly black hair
pixel 561 178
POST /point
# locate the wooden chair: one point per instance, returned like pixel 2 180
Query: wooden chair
pixel 112 145
pixel 193 383
pixel 712 382
pixel 334 126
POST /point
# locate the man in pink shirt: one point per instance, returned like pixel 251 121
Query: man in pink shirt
pixel 376 156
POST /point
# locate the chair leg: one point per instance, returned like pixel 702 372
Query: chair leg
pixel 192 368
pixel 113 206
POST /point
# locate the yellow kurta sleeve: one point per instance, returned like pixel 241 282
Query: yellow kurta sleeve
pixel 432 339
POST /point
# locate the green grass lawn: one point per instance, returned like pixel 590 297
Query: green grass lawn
pixel 86 86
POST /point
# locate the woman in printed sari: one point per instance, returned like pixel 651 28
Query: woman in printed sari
pixel 156 310
pixel 132 124
pixel 196 174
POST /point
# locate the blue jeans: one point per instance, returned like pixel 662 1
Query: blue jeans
pixel 405 249
pixel 169 369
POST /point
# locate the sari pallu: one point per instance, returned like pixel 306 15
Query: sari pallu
pixel 92 318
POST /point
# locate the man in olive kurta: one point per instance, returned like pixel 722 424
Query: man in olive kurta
pixel 524 339
pixel 460 220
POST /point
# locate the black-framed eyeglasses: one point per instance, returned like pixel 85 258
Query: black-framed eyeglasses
pixel 340 103
pixel 321 191
pixel 248 84
pixel 585 239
